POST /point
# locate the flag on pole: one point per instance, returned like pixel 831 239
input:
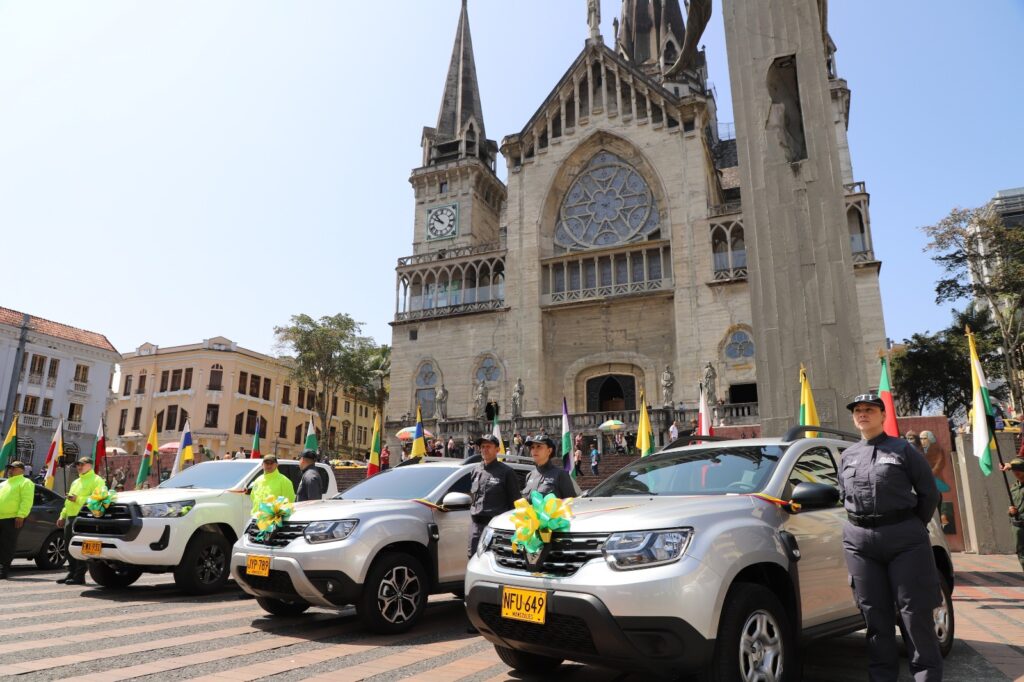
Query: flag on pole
pixel 311 442
pixel 704 425
pixel 256 442
pixel 148 456
pixel 644 437
pixel 808 412
pixel 9 451
pixel 567 450
pixel 981 411
pixel 185 452
pixel 54 454
pixel 373 466
pixel 496 431
pixel 419 443
pixel 885 393
pixel 101 448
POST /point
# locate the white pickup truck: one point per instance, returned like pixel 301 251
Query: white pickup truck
pixel 186 525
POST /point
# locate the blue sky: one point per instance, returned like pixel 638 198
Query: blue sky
pixel 172 171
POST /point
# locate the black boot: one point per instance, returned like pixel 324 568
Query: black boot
pixel 64 580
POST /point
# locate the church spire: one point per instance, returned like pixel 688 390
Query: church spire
pixel 650 31
pixel 460 123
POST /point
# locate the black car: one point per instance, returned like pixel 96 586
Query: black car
pixel 40 539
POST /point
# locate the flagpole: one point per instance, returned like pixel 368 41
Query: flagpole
pixel 156 458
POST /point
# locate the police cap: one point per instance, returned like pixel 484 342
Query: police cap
pixel 489 438
pixel 545 440
pixel 866 399
pixel 306 454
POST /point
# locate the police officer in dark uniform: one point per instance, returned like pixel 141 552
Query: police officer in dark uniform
pixel 890 496
pixel 494 490
pixel 548 477
pixel 310 485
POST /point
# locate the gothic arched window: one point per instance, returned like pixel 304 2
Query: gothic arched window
pixel 728 250
pixel 855 226
pixel 608 204
pixel 739 347
pixel 426 384
pixel 488 370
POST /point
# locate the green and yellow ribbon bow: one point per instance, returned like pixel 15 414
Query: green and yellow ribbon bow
pixel 537 518
pixel 271 514
pixel 100 500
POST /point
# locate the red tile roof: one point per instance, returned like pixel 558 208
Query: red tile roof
pixel 56 329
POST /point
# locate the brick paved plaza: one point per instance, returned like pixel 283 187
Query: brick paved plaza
pixel 152 632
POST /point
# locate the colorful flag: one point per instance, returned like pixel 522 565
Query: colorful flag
pixel 311 442
pixel 981 410
pixel 100 450
pixel 567 450
pixel 704 421
pixel 808 412
pixel 185 452
pixel 496 431
pixel 373 466
pixel 885 393
pixel 256 442
pixel 148 457
pixel 644 437
pixel 9 451
pixel 419 443
pixel 54 454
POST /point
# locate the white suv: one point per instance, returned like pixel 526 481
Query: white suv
pixel 678 563
pixel 186 525
pixel 384 545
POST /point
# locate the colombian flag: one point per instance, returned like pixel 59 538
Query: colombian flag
pixel 808 412
pixel 148 456
pixel 54 454
pixel 419 443
pixel 644 437
pixel 9 451
pixel 373 465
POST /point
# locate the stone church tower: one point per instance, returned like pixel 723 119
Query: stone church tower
pixel 615 260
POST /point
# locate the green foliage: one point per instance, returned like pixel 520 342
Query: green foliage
pixel 380 375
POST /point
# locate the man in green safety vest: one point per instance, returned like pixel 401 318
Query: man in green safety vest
pixel 16 496
pixel 272 483
pixel 81 489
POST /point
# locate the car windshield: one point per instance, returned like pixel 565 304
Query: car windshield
pixel 706 471
pixel 215 475
pixel 403 483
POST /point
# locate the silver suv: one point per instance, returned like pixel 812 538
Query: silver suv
pixel 682 562
pixel 384 545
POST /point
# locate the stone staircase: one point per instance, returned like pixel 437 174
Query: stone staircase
pixel 607 465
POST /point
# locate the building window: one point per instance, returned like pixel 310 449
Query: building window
pixel 426 380
pixel 334 406
pixel 216 377
pixel 286 395
pixel 243 381
pixel 122 422
pixel 160 421
pixel 251 418
pixel 187 384
pixel 142 383
pixel 310 400
pixel 137 419
pixel 182 418
pixel 128 385
pixel 175 380
pixel 212 415
pixel 728 250
pixel 302 397
pixel 332 436
pixel 739 347
pixel 47 408
pixel 266 388
pixel 31 404
pixel 348 407
pixel 239 419
pixel 344 432
pixel 489 370
pixel 75 411
pixel 282 432
pixel 38 364
pixel 55 366
pixel 298 434
pixel 165 381
pixel 81 373
pixel 254 386
pixel 172 417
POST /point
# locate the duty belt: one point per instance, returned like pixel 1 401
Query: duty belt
pixel 875 520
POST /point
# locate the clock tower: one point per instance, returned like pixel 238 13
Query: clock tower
pixel 458 194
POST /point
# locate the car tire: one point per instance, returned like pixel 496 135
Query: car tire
pixel 206 564
pixel 526 662
pixel 53 553
pixel 394 594
pixel 111 576
pixel 945 623
pixel 276 607
pixel 755 638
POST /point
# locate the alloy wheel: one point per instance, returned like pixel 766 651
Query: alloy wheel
pixel 56 551
pixel 398 595
pixel 940 617
pixel 211 564
pixel 760 649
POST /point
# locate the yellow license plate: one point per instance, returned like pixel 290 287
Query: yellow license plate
pixel 527 605
pixel 257 565
pixel 91 547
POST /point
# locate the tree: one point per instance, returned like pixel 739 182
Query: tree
pixel 983 259
pixel 330 355
pixel 380 373
pixel 932 370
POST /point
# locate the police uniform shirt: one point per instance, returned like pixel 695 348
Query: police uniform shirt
pixel 309 486
pixel 550 479
pixel 886 474
pixel 494 490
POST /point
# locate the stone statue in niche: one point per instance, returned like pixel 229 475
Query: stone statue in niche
pixel 708 382
pixel 517 399
pixel 480 401
pixel 668 382
pixel 441 401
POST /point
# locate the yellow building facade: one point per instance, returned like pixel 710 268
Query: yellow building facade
pixel 224 391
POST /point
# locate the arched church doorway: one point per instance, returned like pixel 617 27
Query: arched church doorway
pixel 611 393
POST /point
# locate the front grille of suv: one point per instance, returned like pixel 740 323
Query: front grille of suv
pixel 287 532
pixel 565 555
pixel 115 522
pixel 571 632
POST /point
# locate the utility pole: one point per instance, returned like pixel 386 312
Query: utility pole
pixel 12 390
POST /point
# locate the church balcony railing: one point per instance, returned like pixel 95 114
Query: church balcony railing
pixel 448 254
pixel 469 283
pixel 722 275
pixel 727 208
pixel 450 310
pixel 640 268
pixel 855 187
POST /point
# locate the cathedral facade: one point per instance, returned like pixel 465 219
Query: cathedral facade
pixel 614 261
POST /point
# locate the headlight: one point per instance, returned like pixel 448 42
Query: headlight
pixel 170 510
pixel 485 541
pixel 640 549
pixel 329 531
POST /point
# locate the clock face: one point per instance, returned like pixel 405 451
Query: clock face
pixel 443 222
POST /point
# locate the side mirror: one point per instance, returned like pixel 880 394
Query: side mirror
pixel 815 496
pixel 456 501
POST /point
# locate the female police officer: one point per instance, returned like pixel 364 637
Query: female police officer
pixel 547 477
pixel 890 496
